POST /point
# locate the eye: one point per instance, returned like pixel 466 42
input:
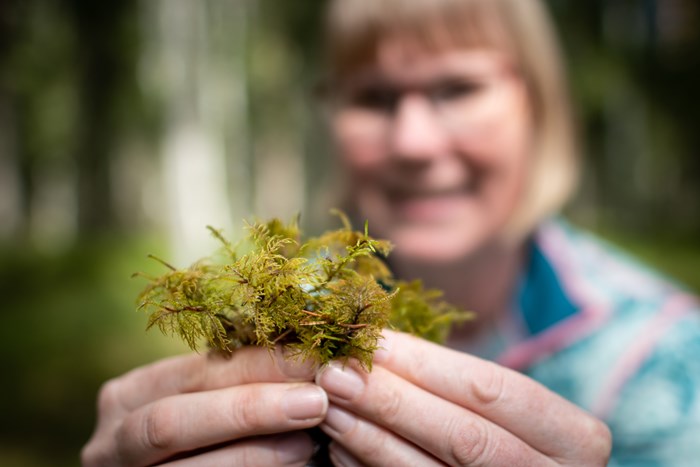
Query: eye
pixel 454 90
pixel 375 98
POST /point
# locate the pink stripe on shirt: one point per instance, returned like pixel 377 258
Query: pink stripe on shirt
pixel 526 353
pixel 590 317
pixel 676 307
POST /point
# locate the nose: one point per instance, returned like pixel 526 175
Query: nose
pixel 417 133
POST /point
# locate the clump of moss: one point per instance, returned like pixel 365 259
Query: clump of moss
pixel 325 298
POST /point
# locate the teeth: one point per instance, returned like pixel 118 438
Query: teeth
pixel 430 193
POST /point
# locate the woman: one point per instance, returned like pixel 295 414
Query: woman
pixel 452 125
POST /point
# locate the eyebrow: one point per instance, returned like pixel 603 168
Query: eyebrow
pixel 380 81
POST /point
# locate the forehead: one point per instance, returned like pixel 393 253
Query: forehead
pixel 411 63
pixel 360 31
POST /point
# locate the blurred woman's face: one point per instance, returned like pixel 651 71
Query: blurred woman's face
pixel 436 146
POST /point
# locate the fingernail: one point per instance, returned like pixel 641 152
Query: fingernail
pixel 342 382
pixel 304 403
pixel 339 420
pixel 294 449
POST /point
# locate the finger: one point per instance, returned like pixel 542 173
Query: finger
pixel 191 421
pixel 294 449
pixel 365 443
pixel 192 373
pixel 449 432
pixel 511 400
pixel 342 458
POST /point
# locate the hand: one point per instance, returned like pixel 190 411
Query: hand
pixel 423 404
pixel 206 410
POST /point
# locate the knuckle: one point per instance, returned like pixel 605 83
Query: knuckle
pixel 469 443
pixel 489 388
pixel 159 427
pixel 108 398
pixel 595 444
pixel 421 363
pixel 194 376
pixel 245 456
pixel 389 405
pixel 293 367
pixel 248 364
pixel 373 445
pixel 90 456
pixel 245 413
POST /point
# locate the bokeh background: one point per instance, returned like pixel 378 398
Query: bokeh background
pixel 127 126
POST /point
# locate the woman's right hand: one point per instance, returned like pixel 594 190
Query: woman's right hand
pixel 202 410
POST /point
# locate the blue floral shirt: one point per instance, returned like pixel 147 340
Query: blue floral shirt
pixel 616 339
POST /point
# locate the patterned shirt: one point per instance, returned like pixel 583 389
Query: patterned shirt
pixel 615 338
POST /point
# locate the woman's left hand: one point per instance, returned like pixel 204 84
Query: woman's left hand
pixel 424 404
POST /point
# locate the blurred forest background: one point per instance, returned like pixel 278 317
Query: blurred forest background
pixel 127 126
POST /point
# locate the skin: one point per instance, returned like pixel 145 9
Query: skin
pixel 443 194
pixel 440 178
pixel 442 187
pixel 424 404
pixel 201 410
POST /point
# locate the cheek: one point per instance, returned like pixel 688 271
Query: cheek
pixel 502 146
pixel 359 143
pixel 509 168
pixel 517 148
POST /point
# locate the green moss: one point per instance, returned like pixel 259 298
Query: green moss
pixel 326 298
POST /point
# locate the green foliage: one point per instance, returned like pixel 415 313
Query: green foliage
pixel 327 298
pixel 423 313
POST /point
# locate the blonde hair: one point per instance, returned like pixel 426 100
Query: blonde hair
pixel 520 27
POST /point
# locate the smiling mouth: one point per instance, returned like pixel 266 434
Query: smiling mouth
pixel 429 205
pixel 409 194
